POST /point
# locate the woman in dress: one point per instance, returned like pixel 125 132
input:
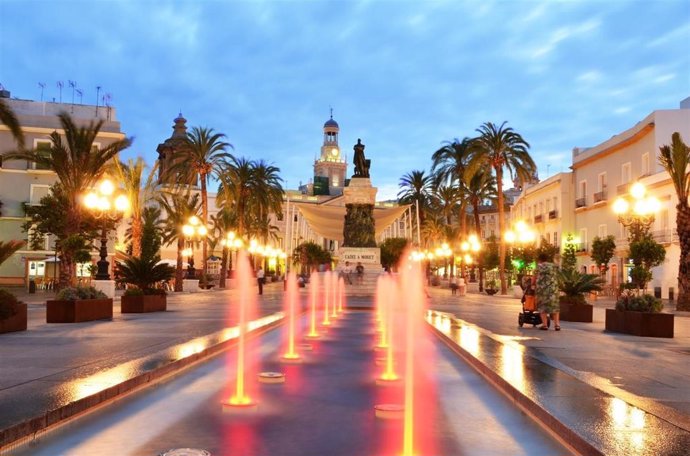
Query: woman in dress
pixel 547 291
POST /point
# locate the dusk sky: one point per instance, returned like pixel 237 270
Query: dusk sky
pixel 404 76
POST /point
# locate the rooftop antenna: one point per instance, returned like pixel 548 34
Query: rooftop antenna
pixel 73 85
pixel 98 91
pixel 106 102
pixel 42 85
pixel 331 107
pixel 60 85
pixel 80 93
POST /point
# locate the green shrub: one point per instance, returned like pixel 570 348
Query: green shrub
pixel 144 273
pixel 641 303
pixel 8 304
pixel 133 292
pixel 76 293
pixel 575 284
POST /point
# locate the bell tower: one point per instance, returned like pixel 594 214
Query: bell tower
pixel 330 168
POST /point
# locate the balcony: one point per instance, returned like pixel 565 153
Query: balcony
pixel 600 196
pixel 581 247
pixel 538 218
pixel 580 202
pixel 665 236
pixel 623 188
pixel 553 214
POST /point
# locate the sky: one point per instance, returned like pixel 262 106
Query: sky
pixel 404 76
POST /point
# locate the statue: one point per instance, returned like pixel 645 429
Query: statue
pixel 361 163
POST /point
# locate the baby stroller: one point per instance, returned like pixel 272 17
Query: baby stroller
pixel 529 313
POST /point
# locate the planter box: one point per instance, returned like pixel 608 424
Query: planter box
pixel 142 304
pixel 16 322
pixel 645 324
pixel 79 310
pixel 576 312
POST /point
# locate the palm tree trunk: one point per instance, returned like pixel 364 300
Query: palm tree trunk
pixel 178 266
pixel 501 228
pixel 683 229
pixel 136 236
pixel 223 268
pixel 204 245
pixel 463 219
pixel 478 227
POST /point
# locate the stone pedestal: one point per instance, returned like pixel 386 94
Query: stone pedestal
pixel 190 285
pixel 360 191
pixel 105 286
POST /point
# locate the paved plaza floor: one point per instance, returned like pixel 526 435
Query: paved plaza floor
pixel 49 366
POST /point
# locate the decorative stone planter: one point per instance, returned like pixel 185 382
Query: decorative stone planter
pixel 576 312
pixel 143 303
pixel 645 324
pixel 79 310
pixel 16 322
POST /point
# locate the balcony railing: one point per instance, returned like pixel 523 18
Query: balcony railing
pixel 581 247
pixel 553 214
pixel 623 188
pixel 665 236
pixel 538 218
pixel 600 196
pixel 580 202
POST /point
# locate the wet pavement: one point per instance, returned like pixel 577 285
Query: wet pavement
pixel 326 407
pixel 641 385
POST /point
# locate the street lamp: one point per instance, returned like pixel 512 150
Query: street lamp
pixel 469 249
pixel 233 243
pixel 636 212
pixel 105 206
pixel 193 231
pixel 522 235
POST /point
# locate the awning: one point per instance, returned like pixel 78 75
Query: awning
pixel 327 221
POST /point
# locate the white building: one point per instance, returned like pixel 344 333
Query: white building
pixel 606 171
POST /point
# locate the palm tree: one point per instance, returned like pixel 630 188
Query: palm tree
pixel 203 157
pixel 7 249
pixel 8 117
pixel 178 207
pixel 78 165
pixel 445 199
pixel 500 147
pixel 448 165
pixel 223 223
pixel 139 192
pixel 237 187
pixel 676 160
pixel 415 188
pixel 481 186
pixel 269 196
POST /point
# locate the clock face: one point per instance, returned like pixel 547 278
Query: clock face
pixel 334 152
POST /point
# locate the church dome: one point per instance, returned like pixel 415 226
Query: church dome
pixel 331 123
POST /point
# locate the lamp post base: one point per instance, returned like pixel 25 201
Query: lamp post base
pixel 106 286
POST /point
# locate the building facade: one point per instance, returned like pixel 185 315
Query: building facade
pixel 23 183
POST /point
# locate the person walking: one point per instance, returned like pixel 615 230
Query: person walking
pixel 260 279
pixel 546 291
pixel 453 284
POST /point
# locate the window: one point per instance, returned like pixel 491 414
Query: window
pixel 37 192
pixel 645 164
pixel 555 203
pixel 84 269
pixel 601 182
pixel 625 173
pixel 42 149
pixel 583 239
pixel 583 189
pixel 555 238
pixel 36 243
pixel 603 230
pixel 541 208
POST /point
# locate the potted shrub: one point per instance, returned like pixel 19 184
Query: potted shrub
pixel 639 315
pixel 76 304
pixel 143 274
pixel 575 286
pixel 12 313
pixel 491 287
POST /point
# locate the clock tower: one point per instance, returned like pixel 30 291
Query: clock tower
pixel 330 167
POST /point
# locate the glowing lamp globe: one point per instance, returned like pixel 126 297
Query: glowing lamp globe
pixel 188 230
pixel 121 203
pixel 638 190
pixel 620 206
pixel 106 187
pixel 510 236
pixel 91 200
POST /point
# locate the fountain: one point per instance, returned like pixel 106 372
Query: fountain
pixel 247 302
pixel 292 311
pixel 326 299
pixel 334 295
pixel 313 303
pixel 388 298
pixel 341 295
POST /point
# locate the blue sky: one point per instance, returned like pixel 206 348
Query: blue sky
pixel 404 76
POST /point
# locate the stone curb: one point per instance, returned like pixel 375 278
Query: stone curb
pixel 562 432
pixel 32 428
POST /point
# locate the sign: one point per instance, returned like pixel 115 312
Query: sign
pixel 364 255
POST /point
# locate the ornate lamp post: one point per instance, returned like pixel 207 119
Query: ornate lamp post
pixel 193 231
pixel 522 235
pixel 469 249
pixel 105 205
pixel 444 252
pixel 636 211
pixel 233 243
